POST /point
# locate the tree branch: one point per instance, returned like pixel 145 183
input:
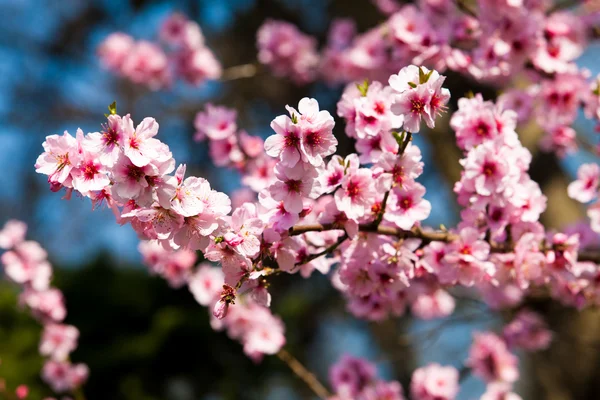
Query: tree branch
pixel 308 377
pixel 430 236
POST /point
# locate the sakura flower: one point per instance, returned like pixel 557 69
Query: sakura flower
pixel 90 174
pixel 490 359
pixel 60 156
pixel 215 123
pixel 45 305
pixel 414 105
pixel 350 375
pixel 292 186
pixel 467 259
pixel 274 213
pixel 245 229
pixel 434 382
pixel 115 49
pixel 12 234
pixel 63 376
pixel 406 205
pixel 585 188
pixel 527 331
pixel 26 264
pixel 107 143
pixel 317 139
pixel 146 63
pixel 356 194
pixel 58 341
pixel 285 144
pixel 287 51
pixel 177 30
pixel 205 284
pixel 139 143
pixel 499 391
pixel 486 169
pixel 333 174
pixel 197 65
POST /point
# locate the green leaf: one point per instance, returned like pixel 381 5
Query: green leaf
pixel 363 88
pixel 424 77
pixel 399 136
pixel 294 118
pixel 412 85
pixel 112 108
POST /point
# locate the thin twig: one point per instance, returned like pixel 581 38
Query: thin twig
pixel 431 236
pixel 308 377
pixel 328 250
pixel 239 72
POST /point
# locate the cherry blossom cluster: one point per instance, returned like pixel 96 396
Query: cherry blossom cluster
pixel 495 39
pixel 358 218
pixel 500 42
pixel 356 379
pixel 489 358
pixel 233 148
pixel 250 321
pixel 25 263
pixel 184 55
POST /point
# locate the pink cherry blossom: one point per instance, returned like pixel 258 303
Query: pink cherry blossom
pixel 490 359
pixel 12 234
pixel 585 188
pixel 356 194
pixel 63 376
pixel 434 382
pixel 216 122
pixel 58 341
pixel 406 205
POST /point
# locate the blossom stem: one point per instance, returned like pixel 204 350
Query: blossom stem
pixel 239 72
pixel 300 370
pixel 430 236
pixel 328 250
pixel 377 222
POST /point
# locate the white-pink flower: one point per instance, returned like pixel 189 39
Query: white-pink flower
pixel 58 341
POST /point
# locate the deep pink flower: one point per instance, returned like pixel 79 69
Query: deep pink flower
pixel 285 144
pixel 490 359
pixel 357 193
pixel 406 205
pixel 527 331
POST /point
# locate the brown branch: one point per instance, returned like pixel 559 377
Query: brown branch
pixel 428 237
pixel 308 377
pixel 328 250
pixel 462 6
pixel 239 72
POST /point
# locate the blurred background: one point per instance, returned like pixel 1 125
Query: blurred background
pixel 143 340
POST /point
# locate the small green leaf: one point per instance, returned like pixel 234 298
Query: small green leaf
pixel 219 239
pixel 112 108
pixel 399 136
pixel 363 88
pixel 424 77
pixel 294 118
pixel 412 84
